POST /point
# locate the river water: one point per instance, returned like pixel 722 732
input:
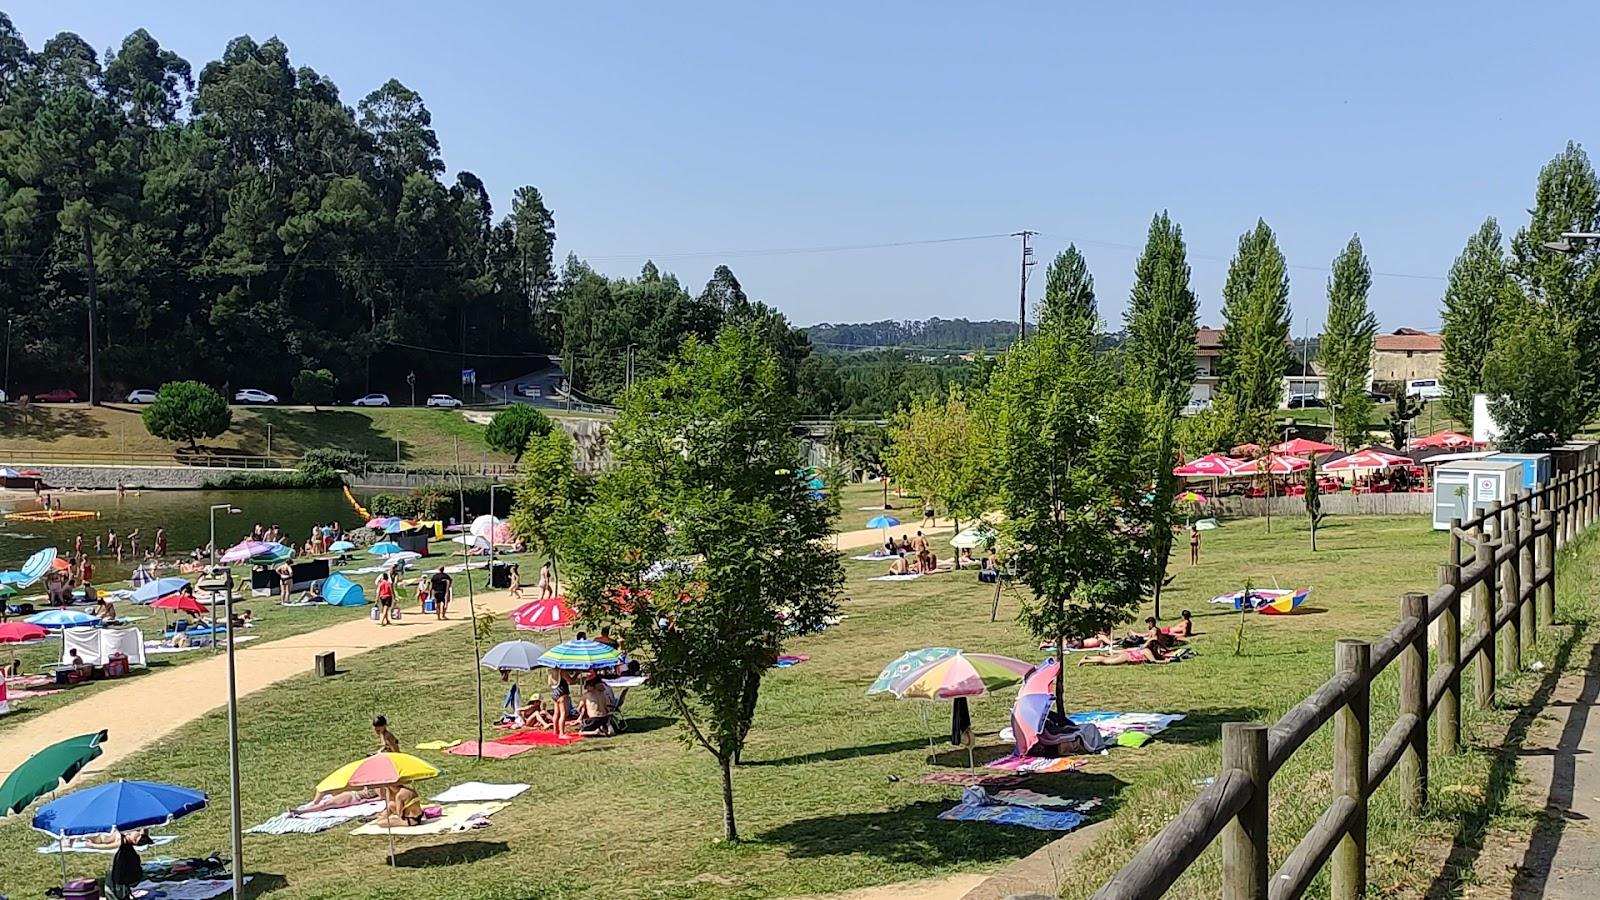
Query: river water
pixel 185 515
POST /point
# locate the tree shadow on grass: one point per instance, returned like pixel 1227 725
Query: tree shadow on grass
pixel 910 834
pixel 643 724
pixel 1204 726
pixel 453 854
pixel 263 883
pixel 50 423
pixel 839 753
pixel 338 428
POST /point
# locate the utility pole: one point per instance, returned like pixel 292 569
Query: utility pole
pixel 88 257
pixel 1022 291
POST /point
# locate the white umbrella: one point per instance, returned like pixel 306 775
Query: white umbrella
pixel 404 556
pixel 974 537
pixel 473 541
pixel 484 526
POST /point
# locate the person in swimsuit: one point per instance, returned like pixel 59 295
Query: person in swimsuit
pixel 387 742
pixel 405 808
pixel 1194 546
pixel 546 585
pixel 385 598
pixel 516 581
pixel 1132 656
pixel 1185 626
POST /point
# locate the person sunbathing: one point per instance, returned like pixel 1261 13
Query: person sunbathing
pixel 1185 627
pixel 111 840
pixel 533 714
pixel 405 808
pixel 336 800
pixel 903 565
pixel 1130 656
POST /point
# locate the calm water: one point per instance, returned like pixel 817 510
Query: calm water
pixel 185 515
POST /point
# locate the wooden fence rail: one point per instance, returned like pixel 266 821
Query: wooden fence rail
pixel 1505 586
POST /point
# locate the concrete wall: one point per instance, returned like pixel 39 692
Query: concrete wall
pixel 148 477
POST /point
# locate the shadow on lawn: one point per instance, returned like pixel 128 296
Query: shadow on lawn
pixel 50 423
pixel 263 883
pixel 455 854
pixel 839 753
pixel 1204 726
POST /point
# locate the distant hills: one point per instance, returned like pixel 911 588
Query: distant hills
pixel 928 334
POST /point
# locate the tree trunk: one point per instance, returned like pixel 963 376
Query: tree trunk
pixel 885 482
pixel 730 831
pixel 1061 670
pixel 1163 552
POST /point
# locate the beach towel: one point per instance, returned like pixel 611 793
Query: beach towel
pixel 977 806
pixel 25 694
pixel 872 557
pixel 785 662
pixel 491 749
pixel 437 745
pixel 1025 797
pixel 156 840
pixel 968 778
pixel 453 818
pixel 909 576
pixel 1112 724
pixel 1037 764
pixel 313 822
pixel 480 792
pixel 193 889
pixel 537 738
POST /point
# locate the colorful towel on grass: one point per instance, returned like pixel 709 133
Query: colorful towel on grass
pixel 452 818
pixel 1025 797
pixel 977 806
pixel 25 694
pixel 437 745
pixel 158 840
pixel 537 738
pixel 193 889
pixel 480 792
pixel 1034 765
pixel 1115 723
pixel 491 749
pixel 785 662
pixel 909 576
pixel 965 779
pixel 314 822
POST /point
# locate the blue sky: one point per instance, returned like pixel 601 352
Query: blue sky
pixel 697 133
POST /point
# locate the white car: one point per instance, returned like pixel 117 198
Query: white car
pixel 371 400
pixel 251 395
pixel 443 401
pixel 142 395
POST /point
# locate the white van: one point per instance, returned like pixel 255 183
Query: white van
pixel 1425 388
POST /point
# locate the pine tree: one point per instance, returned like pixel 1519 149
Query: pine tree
pixel 1478 280
pixel 1069 294
pixel 1345 350
pixel 1255 339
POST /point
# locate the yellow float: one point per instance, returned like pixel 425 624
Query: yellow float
pixel 58 515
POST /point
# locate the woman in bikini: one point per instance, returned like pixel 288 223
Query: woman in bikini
pixel 1150 652
pixel 546 585
pixel 405 808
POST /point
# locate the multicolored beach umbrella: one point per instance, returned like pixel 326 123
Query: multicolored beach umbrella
pixel 907 663
pixel 377 770
pixel 581 655
pixel 962 675
pixel 1266 600
pixel 1033 705
pixel 246 550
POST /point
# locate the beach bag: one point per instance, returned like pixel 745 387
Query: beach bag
pixel 377 612
pixel 394 613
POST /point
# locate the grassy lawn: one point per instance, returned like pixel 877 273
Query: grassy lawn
pixel 1431 419
pixel 424 435
pixel 271 622
pixel 827 798
pixel 853 516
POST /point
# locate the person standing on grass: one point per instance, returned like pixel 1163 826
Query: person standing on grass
pixel 285 581
pixel 1194 545
pixel 385 598
pixel 546 584
pixel 441 583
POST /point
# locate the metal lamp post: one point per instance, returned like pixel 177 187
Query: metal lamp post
pixel 232 511
pixel 225 582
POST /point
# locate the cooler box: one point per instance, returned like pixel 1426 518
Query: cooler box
pixel 116 665
pixel 500 575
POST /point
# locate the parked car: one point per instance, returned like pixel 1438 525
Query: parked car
pixel 443 401
pixel 529 390
pixel 59 395
pixel 371 400
pixel 1426 388
pixel 1376 397
pixel 1306 401
pixel 3 397
pixel 142 395
pixel 251 395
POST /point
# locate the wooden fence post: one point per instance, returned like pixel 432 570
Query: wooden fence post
pixel 1510 590
pixel 1455 541
pixel 1526 574
pixel 1483 623
pixel 1244 839
pixel 1448 713
pixel 1545 558
pixel 1350 742
pixel 1413 767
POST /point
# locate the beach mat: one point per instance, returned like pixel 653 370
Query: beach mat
pixel 1037 764
pixel 158 840
pixel 454 818
pixel 312 823
pixel 537 738
pixel 491 749
pixel 977 806
pixel 193 889
pixel 480 792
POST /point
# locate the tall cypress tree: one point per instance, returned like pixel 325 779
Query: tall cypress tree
pixel 1255 340
pixel 1069 294
pixel 1345 351
pixel 1161 322
pixel 1472 303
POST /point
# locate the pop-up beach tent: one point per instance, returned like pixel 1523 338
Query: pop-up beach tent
pixel 341 591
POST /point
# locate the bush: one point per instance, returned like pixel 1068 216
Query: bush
pixel 510 429
pixel 187 410
pixel 313 387
pixel 353 461
pixel 390 505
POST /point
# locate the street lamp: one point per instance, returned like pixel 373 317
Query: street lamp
pixel 1569 241
pixel 225 582
pixel 232 511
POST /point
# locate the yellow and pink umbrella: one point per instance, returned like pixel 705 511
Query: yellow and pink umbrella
pixel 378 770
pixel 962 675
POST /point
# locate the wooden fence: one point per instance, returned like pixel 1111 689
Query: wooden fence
pixel 1507 584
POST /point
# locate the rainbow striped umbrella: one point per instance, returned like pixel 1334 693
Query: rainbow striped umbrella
pixel 962 675
pixel 581 655
pixel 907 663
pixel 1038 693
pixel 247 550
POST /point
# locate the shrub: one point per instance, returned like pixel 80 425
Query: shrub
pixel 187 410
pixel 313 387
pixel 353 461
pixel 510 429
pixel 390 505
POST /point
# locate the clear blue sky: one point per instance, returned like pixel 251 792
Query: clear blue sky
pixel 675 130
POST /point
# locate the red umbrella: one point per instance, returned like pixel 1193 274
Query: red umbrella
pixel 1447 439
pixel 1213 465
pixel 1244 450
pixel 181 603
pixel 1279 464
pixel 1302 446
pixel 544 614
pixel 13 632
pixel 60 565
pixel 1369 458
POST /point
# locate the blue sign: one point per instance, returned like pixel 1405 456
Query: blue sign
pixel 469 376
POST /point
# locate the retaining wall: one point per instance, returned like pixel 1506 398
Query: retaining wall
pixel 145 477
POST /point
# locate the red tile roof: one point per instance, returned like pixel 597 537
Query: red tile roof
pixel 1208 341
pixel 1403 339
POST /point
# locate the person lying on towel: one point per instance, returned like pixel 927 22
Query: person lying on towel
pixel 1150 652
pixel 337 800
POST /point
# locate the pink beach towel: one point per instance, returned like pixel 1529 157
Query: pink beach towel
pixel 491 749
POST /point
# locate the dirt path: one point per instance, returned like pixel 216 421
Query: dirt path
pixel 143 710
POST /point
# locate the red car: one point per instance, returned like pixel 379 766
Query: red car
pixel 59 395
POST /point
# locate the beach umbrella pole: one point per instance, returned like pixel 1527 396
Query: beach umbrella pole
pixel 61 851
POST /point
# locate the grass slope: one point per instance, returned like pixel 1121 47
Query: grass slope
pixel 826 798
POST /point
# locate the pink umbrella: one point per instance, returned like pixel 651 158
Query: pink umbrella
pixel 1213 465
pixel 1447 439
pixel 1033 704
pixel 248 550
pixel 1278 464
pixel 1302 446
pixel 542 615
pixel 1370 458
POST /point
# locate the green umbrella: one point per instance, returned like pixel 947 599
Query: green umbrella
pixel 44 771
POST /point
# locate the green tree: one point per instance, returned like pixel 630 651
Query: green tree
pixel 187 411
pixel 1159 357
pixel 1478 283
pixel 1255 338
pixel 935 452
pixel 511 428
pixel 704 469
pixel 1532 376
pixel 1071 457
pixel 314 387
pixel 545 491
pixel 1345 350
pixel 1068 293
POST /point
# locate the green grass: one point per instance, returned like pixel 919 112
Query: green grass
pixel 424 435
pixel 827 798
pixel 853 517
pixel 1431 418
pixel 271 623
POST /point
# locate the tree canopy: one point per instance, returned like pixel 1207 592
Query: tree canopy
pixel 1255 339
pixel 1345 350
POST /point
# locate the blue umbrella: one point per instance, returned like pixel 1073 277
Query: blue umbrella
pixel 152 591
pixel 118 806
pixel 34 569
pixel 581 655
pixel 882 522
pixel 522 655
pixel 341 547
pixel 386 548
pixel 61 618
